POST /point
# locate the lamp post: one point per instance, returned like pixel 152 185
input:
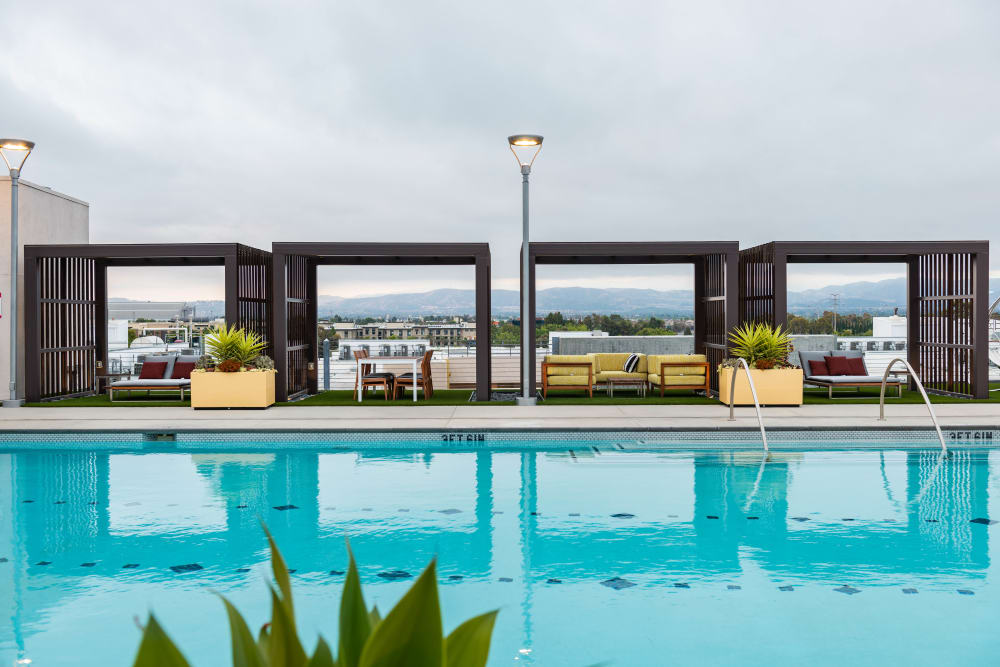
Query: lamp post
pixel 525 148
pixel 14 152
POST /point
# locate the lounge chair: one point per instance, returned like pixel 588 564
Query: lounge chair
pixel 568 371
pixel 369 378
pixel 817 378
pixel 173 375
pixel 678 371
pixel 424 379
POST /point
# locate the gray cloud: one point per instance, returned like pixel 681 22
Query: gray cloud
pixel 387 120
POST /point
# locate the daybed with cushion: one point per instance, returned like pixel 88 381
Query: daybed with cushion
pixel 159 373
pixel 840 368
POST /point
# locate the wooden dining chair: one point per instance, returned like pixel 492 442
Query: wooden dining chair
pixel 369 378
pixel 424 379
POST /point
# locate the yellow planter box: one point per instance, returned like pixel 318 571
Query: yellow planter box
pixel 778 386
pixel 247 389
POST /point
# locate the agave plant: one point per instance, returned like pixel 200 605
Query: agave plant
pixel 225 343
pixel 410 634
pixel 762 345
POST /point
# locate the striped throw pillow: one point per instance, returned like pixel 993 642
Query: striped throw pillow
pixel 631 363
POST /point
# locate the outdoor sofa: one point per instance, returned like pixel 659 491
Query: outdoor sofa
pixel 814 362
pixel 159 373
pixel 663 371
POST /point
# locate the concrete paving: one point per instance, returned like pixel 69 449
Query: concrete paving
pixel 474 417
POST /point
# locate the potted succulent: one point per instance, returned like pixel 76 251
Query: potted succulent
pixel 765 349
pixel 234 373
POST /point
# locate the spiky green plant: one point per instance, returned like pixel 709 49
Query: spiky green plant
pixel 225 343
pixel 757 341
pixel 410 634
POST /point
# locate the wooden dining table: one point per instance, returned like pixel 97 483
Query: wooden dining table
pixel 413 361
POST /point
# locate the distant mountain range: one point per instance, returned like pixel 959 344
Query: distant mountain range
pixel 874 297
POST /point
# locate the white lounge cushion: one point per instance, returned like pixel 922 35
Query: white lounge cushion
pixel 849 379
pixel 151 383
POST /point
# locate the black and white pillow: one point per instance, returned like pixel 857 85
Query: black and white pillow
pixel 631 363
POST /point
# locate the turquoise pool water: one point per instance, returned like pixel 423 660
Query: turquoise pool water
pixel 640 557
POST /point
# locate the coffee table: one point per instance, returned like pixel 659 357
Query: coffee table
pixel 639 384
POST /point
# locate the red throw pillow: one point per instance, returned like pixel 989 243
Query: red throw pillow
pixel 837 365
pixel 182 370
pixel 857 365
pixel 818 368
pixel 153 370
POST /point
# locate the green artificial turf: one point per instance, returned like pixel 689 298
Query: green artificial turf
pixel 345 397
pixel 812 396
pixel 103 401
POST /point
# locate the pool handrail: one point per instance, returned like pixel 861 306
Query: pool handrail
pixel 753 392
pixel 920 386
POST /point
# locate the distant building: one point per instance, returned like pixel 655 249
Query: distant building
pixel 555 336
pixel 170 311
pixel 438 334
pixel 893 326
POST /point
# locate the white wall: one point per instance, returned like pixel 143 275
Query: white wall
pixel 44 216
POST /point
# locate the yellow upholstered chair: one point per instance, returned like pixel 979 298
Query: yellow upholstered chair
pixel 678 371
pixel 568 371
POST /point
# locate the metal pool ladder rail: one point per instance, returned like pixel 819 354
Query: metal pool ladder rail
pixel 920 386
pixel 756 403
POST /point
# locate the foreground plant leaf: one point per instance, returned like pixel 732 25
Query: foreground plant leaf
pixel 264 638
pixel 281 575
pixel 157 649
pixel 322 657
pixel 284 647
pixel 410 635
pixel 468 645
pixel 355 623
pixel 245 650
pixel 375 616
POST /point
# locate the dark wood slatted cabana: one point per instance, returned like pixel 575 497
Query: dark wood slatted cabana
pixel 947 298
pixel 295 317
pixel 66 303
pixel 715 287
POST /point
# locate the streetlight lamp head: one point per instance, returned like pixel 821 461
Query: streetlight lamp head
pixel 525 148
pixel 15 152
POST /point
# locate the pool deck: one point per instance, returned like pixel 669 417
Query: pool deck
pixel 982 416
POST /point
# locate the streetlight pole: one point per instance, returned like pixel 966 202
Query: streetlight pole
pixel 14 152
pixel 525 148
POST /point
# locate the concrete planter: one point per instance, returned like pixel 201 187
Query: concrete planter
pixel 247 389
pixel 778 386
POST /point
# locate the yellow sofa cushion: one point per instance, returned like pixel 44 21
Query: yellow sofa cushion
pixel 566 381
pixel 605 375
pixel 615 361
pixel 583 359
pixel 678 380
pixel 654 361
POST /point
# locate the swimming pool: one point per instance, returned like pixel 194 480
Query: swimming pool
pixel 639 556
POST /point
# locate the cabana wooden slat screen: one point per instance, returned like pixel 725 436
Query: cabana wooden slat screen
pixel 66 296
pixel 68 314
pixel 715 283
pixel 295 316
pixel 947 300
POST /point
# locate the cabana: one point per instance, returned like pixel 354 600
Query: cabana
pixel 947 294
pixel 66 303
pixel 295 318
pixel 715 284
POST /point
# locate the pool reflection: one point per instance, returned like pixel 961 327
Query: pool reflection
pixel 532 516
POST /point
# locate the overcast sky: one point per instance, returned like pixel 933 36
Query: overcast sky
pixel 387 121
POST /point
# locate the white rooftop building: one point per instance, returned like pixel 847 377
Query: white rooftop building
pixel 44 216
